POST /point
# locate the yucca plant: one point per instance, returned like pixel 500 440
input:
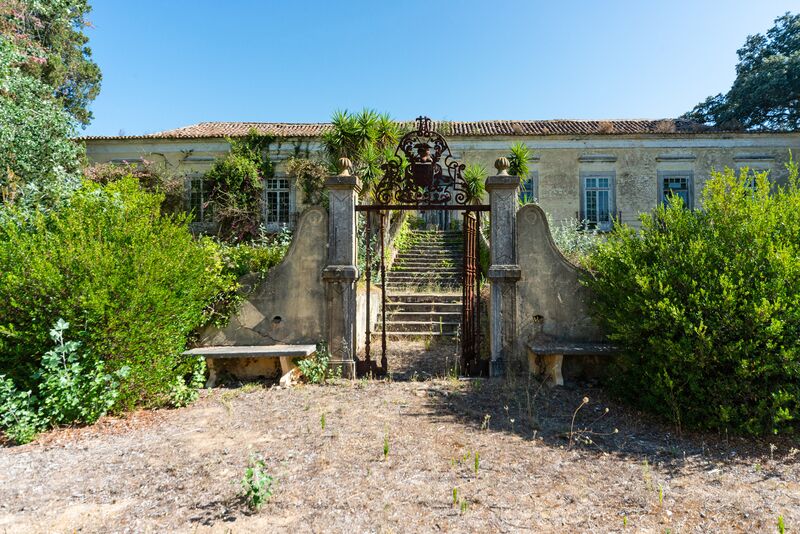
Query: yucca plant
pixel 366 138
pixel 475 182
pixel 519 160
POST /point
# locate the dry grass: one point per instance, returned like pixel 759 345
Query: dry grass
pixel 539 471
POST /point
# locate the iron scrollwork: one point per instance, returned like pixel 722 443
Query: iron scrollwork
pixel 417 174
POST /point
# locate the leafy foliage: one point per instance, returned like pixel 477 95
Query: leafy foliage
pixel 72 387
pixel 134 281
pixel 310 176
pixel 315 369
pixel 39 163
pixel 475 181
pixel 575 241
pixel 256 484
pixel 151 177
pixel 706 305
pixel 367 139
pixel 18 417
pixel 183 392
pixel 54 51
pixel 764 95
pixel 237 181
pixel 519 160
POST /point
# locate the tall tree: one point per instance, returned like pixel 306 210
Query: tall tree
pixel 49 34
pixel 766 92
pixel 39 161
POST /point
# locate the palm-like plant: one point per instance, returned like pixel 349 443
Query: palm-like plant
pixel 519 160
pixel 366 138
pixel 475 182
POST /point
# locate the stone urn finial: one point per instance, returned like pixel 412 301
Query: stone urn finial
pixel 344 166
pixel 502 165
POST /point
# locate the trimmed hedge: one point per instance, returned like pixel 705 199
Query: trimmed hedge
pixel 706 305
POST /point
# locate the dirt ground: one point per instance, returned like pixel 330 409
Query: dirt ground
pixel 179 470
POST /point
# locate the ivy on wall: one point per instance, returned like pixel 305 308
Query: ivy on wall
pixel 237 183
pixel 310 177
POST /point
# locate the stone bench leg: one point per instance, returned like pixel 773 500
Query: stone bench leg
pixel 289 371
pixel 212 373
pixel 548 365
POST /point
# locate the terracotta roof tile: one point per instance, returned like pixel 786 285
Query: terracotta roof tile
pixel 205 130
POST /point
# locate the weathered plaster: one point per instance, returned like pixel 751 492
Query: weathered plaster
pixel 289 305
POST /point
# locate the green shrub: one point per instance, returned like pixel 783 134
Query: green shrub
pixel 255 257
pixel 237 181
pixel 315 369
pixel 133 282
pixel 574 242
pixel 256 484
pixel 706 305
pixel 72 388
pixel 184 390
pixel 18 418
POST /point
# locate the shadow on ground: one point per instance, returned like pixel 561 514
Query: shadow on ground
pixel 583 416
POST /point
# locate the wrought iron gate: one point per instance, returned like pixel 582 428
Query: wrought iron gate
pixel 415 180
pixel 471 303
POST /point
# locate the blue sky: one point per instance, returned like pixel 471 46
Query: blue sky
pixel 172 63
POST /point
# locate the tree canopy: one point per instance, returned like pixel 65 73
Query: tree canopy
pixel 766 92
pixel 49 36
pixel 39 162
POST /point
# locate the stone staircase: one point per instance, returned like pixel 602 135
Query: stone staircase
pixel 423 287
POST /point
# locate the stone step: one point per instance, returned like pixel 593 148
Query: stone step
pixel 433 283
pixel 418 276
pixel 399 336
pixel 428 287
pixel 451 250
pixel 410 297
pixel 425 269
pixel 423 307
pixel 433 256
pixel 423 316
pixel 422 327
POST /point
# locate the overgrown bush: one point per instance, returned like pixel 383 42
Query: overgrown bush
pixel 151 176
pixel 237 182
pixel 316 368
pixel 255 257
pixel 706 305
pixel 72 387
pixel 133 283
pixel 310 176
pixel 575 242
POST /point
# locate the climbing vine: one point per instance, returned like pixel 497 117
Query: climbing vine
pixel 237 182
pixel 310 176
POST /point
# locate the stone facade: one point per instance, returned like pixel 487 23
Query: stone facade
pixel 635 165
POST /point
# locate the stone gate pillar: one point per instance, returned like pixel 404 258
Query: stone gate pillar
pixel 341 271
pixel 504 272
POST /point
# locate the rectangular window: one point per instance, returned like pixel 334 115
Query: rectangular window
pixel 199 189
pixel 597 200
pixel 674 184
pixel 529 189
pixel 276 197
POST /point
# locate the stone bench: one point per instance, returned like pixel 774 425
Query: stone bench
pixel 546 357
pixel 285 353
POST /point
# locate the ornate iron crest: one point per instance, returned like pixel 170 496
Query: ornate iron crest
pixel 415 175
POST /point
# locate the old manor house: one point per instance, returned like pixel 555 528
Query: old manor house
pixel 585 169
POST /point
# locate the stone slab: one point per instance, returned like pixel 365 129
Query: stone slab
pixel 572 348
pixel 254 351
